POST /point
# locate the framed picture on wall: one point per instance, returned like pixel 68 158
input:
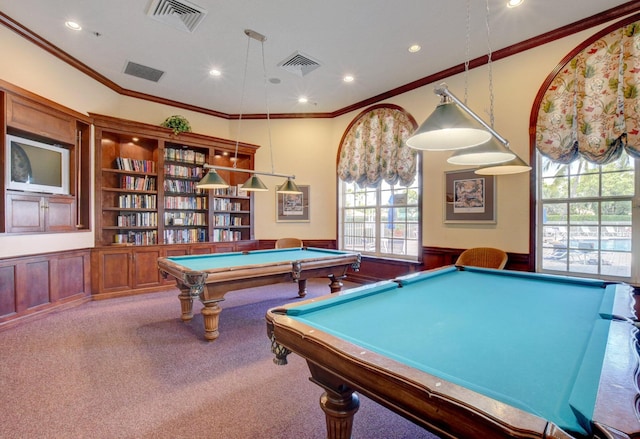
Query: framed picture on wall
pixel 469 198
pixel 293 207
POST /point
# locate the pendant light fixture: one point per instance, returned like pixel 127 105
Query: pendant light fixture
pixel 488 153
pixel 476 142
pixel 515 165
pixel 449 127
pixel 212 180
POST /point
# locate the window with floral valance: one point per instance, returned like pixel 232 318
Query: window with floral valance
pixel 591 107
pixel 380 190
pixel 373 149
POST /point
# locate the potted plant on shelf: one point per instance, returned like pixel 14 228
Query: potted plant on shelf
pixel 179 124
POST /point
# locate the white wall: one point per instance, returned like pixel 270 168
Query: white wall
pixel 308 147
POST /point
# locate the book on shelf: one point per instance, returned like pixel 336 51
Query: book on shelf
pixel 127 164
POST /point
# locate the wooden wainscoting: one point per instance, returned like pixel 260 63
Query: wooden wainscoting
pixel 34 285
pixel 375 269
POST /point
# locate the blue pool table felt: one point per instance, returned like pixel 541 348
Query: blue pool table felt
pixel 528 342
pixel 257 257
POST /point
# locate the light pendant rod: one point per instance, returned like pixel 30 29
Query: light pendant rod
pixel 443 90
pixel 248 171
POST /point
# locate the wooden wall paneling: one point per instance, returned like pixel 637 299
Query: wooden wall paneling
pixel 145 267
pixel 243 246
pixel 8 305
pixel 35 283
pixel 203 249
pixel 73 279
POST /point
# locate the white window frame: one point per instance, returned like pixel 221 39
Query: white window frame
pixel 589 262
pixel 376 238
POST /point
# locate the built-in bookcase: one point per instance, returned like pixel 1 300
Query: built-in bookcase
pixel 186 207
pixel 146 190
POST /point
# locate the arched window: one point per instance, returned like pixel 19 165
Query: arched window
pixel 587 136
pixel 380 185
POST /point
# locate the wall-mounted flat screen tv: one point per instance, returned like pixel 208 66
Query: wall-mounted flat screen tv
pixel 36 166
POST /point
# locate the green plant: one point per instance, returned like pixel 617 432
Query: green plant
pixel 179 124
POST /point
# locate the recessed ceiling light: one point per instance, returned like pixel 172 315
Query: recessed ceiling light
pixel 73 25
pixel 348 78
pixel 414 48
pixel 215 72
pixel 303 100
pixel 514 3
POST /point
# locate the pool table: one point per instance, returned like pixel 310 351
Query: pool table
pixel 473 353
pixel 209 277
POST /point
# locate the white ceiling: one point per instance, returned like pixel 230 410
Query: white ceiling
pixel 365 38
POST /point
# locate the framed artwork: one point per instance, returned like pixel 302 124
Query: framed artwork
pixel 469 198
pixel 293 207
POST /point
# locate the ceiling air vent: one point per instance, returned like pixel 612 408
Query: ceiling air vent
pixel 144 72
pixel 299 64
pixel 180 14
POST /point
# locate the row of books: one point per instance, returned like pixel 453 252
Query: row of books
pixel 126 164
pixel 185 219
pixel 184 236
pixel 231 191
pixel 187 203
pixel 137 201
pixel 222 235
pixel 182 171
pixel 138 183
pixel 184 155
pixel 138 219
pixel 148 237
pixel 222 219
pixel 226 204
pixel 182 186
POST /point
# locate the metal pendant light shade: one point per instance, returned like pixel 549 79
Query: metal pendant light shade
pixel 212 181
pixel 488 153
pixel 449 127
pixel 254 184
pixel 514 166
pixel 288 187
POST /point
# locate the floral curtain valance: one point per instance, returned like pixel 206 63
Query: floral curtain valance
pixel 374 149
pixel 591 107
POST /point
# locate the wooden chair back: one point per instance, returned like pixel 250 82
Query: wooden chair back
pixel 288 243
pixel 486 257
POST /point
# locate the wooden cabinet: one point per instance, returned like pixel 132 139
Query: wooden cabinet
pixel 32 209
pixel 41 120
pixel 39 213
pixel 126 268
pixel 121 270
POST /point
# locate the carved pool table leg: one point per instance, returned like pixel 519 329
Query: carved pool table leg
pixel 339 402
pixel 211 316
pixel 302 287
pixel 336 283
pixel 339 409
pixel 186 304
